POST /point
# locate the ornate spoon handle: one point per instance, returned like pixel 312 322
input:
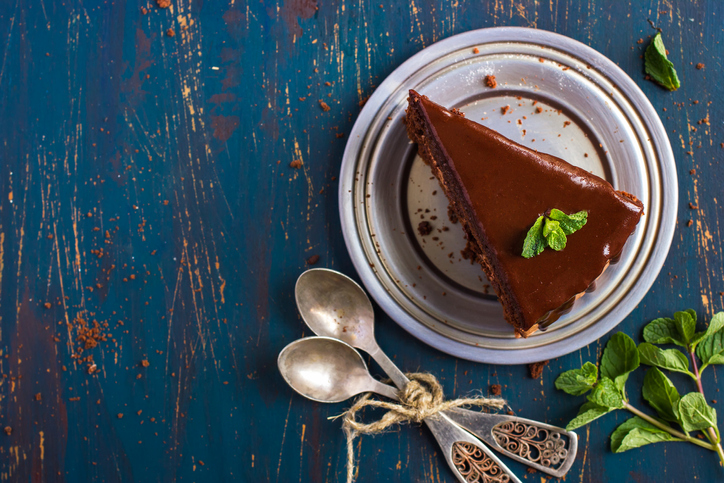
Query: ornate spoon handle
pixel 541 446
pixel 470 460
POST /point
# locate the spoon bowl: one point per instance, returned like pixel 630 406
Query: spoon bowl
pixel 327 370
pixel 333 305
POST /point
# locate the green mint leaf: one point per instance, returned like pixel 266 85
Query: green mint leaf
pixel 662 331
pixel 569 223
pixel 711 348
pixel 588 412
pixel 695 413
pixel 686 325
pixel 619 358
pixel 636 432
pixel 669 359
pixel 716 324
pixel 550 230
pixel 535 242
pixel 607 394
pixel 578 382
pixel 554 235
pixel 658 66
pixel 661 394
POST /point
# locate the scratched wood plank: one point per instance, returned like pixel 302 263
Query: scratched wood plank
pixel 145 183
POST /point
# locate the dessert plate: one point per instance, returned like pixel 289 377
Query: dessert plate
pixel 562 98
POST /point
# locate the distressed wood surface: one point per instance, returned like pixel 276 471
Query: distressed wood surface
pixel 145 184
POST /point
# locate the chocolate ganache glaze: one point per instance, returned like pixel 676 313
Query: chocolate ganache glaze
pixel 499 188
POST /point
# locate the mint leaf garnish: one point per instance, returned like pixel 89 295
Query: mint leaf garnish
pixel 534 243
pixel 550 230
pixel 658 66
pixel 569 223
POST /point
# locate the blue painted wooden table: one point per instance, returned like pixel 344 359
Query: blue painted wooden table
pixel 151 231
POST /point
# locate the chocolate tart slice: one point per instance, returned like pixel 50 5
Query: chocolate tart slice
pixel 498 188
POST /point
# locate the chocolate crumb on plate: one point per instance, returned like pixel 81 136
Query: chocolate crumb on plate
pixel 296 164
pixel 8 430
pixel 163 3
pixel 700 66
pixel 689 222
pixel 424 228
pixel 476 50
pixel 325 107
pixel 490 81
pixel 170 33
pixel 313 260
pixel 496 389
pixel 145 363
pixel 536 369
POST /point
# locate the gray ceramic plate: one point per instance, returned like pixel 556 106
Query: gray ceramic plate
pixel 593 116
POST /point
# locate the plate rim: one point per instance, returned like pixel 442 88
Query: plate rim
pixel 656 258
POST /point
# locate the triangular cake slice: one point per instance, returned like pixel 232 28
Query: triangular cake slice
pixel 498 188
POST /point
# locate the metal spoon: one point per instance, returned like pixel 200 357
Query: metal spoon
pixel 333 305
pixel 328 370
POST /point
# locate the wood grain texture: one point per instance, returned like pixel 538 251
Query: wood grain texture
pixel 171 155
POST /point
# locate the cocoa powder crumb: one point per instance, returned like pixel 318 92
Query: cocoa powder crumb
pixel 325 107
pixel 689 222
pixel 538 109
pixel 700 66
pixel 296 164
pixel 640 41
pixel 566 123
pixel 163 3
pixel 424 228
pixel 145 363
pixel 692 171
pixel 170 33
pixel 8 430
pixel 313 260
pixel 490 81
pixel 144 11
pixel 47 305
pixel 496 389
pixel 120 415
pixel 692 206
pixel 476 50
pixel 504 110
pixel 38 397
pixel 536 369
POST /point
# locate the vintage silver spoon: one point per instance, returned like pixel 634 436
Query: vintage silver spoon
pixel 328 370
pixel 333 305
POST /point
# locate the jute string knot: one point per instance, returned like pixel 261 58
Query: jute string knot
pixel 421 398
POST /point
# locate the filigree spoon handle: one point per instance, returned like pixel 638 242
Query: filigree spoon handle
pixel 541 446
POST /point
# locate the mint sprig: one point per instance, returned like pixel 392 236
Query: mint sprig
pixel 658 66
pixel 621 357
pixel 550 230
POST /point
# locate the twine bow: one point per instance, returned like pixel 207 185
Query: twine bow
pixel 421 398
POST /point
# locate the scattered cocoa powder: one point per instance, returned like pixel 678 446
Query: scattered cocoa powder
pixel 490 81
pixel 692 206
pixel 47 305
pixel 689 222
pixel 170 33
pixel 476 50
pixel 536 369
pixel 504 110
pixel 640 41
pixel 145 363
pixel 538 109
pixel 296 164
pixel 325 107
pixel 452 216
pixel 496 389
pixel 313 260
pixel 38 397
pixel 144 11
pixel 163 3
pixel 700 66
pixel 8 430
